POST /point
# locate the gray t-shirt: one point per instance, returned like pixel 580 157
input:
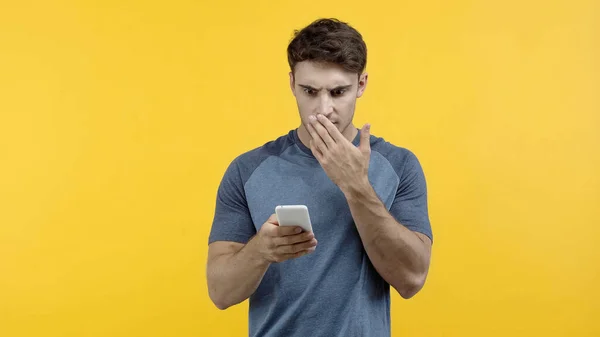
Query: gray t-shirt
pixel 335 291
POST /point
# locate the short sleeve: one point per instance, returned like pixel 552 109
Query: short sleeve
pixel 232 221
pixel 410 204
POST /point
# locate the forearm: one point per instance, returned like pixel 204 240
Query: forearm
pixel 233 278
pixel 396 252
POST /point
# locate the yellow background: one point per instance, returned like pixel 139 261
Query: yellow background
pixel 118 119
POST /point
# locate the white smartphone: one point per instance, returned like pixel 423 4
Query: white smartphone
pixel 294 215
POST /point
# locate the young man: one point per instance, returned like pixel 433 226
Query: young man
pixel 367 200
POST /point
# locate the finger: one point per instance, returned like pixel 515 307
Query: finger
pixel 365 138
pixel 287 230
pixel 270 226
pixel 315 151
pixel 273 219
pixel 293 239
pixel 333 132
pixel 295 248
pixel 298 254
pixel 322 130
pixel 317 140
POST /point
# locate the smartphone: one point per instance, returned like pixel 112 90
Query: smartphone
pixel 294 215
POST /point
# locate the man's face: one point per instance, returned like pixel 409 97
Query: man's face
pixel 327 89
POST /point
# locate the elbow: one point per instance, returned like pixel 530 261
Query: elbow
pixel 410 291
pixel 221 306
pixel 409 288
pixel 217 300
pixel 219 303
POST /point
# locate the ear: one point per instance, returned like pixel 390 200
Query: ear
pixel 362 84
pixel 292 83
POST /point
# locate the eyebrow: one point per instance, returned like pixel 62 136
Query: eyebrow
pixel 339 87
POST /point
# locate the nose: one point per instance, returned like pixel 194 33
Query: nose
pixel 325 106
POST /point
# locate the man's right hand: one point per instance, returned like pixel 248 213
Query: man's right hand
pixel 280 243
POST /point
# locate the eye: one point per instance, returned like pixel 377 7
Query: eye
pixel 338 92
pixel 310 92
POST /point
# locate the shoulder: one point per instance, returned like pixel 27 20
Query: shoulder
pixel 400 158
pixel 247 162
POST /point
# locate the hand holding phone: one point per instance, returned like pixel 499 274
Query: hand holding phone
pixel 294 215
pixel 276 243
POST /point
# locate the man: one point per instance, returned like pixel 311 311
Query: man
pixel 367 200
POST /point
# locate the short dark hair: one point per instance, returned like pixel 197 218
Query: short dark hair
pixel 329 40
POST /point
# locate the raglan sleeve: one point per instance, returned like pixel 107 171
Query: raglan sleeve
pixel 232 220
pixel 410 207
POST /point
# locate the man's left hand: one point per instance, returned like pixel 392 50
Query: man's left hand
pixel 344 163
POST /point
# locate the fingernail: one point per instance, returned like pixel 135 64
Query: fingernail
pixel 311 118
pixel 298 230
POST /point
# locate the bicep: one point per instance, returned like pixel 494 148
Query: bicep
pixel 410 207
pixel 223 248
pixel 232 221
pixel 218 252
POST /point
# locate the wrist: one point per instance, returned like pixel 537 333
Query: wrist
pixel 255 253
pixel 357 189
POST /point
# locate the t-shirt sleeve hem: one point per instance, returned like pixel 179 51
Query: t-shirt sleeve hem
pixel 229 237
pixel 422 231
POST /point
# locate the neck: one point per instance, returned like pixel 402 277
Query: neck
pixel 305 137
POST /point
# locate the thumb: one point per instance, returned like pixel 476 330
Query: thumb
pixel 365 138
pixel 273 219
